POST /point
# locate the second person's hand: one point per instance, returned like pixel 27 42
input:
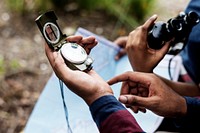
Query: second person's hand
pixel 157 96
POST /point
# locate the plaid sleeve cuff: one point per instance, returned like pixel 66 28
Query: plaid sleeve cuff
pixel 103 107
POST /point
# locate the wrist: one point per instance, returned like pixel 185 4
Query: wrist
pixel 98 94
pixel 192 105
pixel 103 107
pixel 182 107
pixel 141 69
pixel 92 99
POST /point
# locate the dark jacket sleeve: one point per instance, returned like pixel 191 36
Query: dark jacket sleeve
pixel 189 123
pixel 112 117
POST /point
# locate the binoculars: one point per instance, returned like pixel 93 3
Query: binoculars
pixel 177 28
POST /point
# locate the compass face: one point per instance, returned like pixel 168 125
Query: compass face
pixel 73 53
pixel 51 33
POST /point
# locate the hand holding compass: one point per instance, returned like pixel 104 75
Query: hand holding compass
pixel 75 56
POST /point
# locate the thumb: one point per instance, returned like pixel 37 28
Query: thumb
pixel 134 100
pixel 165 48
pixel 150 21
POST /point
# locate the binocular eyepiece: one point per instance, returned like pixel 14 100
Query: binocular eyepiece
pixel 178 28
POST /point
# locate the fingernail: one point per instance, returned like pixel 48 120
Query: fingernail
pixel 123 99
pixel 116 58
pixel 154 16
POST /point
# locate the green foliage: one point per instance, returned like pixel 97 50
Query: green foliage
pixel 42 5
pixel 14 64
pixel 23 6
pixel 8 66
pixel 130 12
pixel 16 5
pixel 2 66
pixel 59 3
pixel 121 9
pixel 89 4
pixel 141 8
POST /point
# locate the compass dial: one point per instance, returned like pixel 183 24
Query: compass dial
pixel 73 53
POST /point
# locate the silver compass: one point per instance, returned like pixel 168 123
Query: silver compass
pixel 74 55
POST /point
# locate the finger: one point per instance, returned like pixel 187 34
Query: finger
pixel 150 22
pixel 53 56
pixel 88 40
pixel 49 54
pixel 119 78
pixel 133 100
pixel 132 84
pixel 121 41
pixel 165 48
pixel 137 109
pixel 136 77
pixel 145 28
pixel 88 43
pixel 57 63
pixel 142 109
pixel 133 91
pixel 76 39
pixel 124 88
pixel 144 92
pixel 47 49
pixel 88 47
pixel 120 54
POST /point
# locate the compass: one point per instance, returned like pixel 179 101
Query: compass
pixel 74 55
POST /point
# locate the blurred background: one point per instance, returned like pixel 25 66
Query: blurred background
pixel 24 69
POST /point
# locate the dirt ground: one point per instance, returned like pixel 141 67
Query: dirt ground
pixel 24 69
